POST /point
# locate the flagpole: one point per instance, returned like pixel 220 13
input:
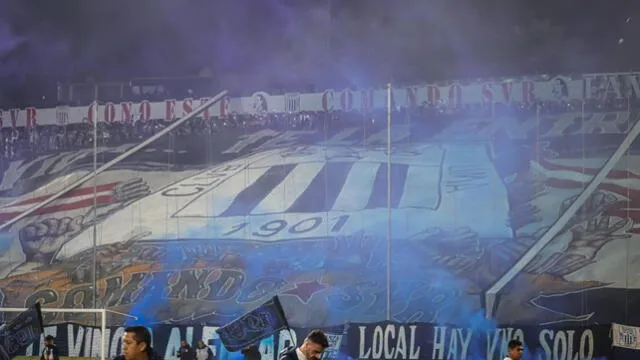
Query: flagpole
pixel 294 340
pixel 389 202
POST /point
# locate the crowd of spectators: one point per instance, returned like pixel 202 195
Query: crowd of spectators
pixel 23 142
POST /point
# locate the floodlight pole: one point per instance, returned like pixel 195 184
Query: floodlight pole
pixel 94 271
pixel 389 104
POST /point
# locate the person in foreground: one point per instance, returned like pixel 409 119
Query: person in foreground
pixel 136 345
pixel 311 349
pixel 514 350
pixel 50 351
pixel 251 353
pixel 186 352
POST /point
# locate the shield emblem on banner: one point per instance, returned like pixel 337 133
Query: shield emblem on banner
pixel 62 115
pixel 292 103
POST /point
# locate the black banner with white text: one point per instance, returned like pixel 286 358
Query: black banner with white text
pixel 364 341
pixel 424 341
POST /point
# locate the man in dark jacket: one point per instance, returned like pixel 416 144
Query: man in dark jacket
pixel 186 352
pixel 50 351
pixel 136 345
pixel 251 353
pixel 311 349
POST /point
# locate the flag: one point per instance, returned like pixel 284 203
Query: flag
pixel 262 322
pixel 76 199
pixel 626 336
pixel 21 332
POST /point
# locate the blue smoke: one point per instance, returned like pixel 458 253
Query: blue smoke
pixel 151 308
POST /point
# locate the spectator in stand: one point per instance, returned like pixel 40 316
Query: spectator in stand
pixel 186 352
pixel 203 352
pixel 19 143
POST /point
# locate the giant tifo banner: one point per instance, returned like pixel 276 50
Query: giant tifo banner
pixel 362 341
pixel 497 92
pixel 197 230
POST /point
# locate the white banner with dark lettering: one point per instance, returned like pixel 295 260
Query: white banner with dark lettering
pixel 625 336
pixel 598 88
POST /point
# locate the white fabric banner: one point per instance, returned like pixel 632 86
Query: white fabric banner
pixel 626 336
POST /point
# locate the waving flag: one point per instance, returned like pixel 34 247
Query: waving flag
pixel 23 331
pixel 259 323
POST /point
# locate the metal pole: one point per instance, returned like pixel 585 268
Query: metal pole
pixel 121 157
pixel 389 202
pixel 103 344
pixel 94 113
pixel 537 132
pixel 120 313
pixel 60 310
